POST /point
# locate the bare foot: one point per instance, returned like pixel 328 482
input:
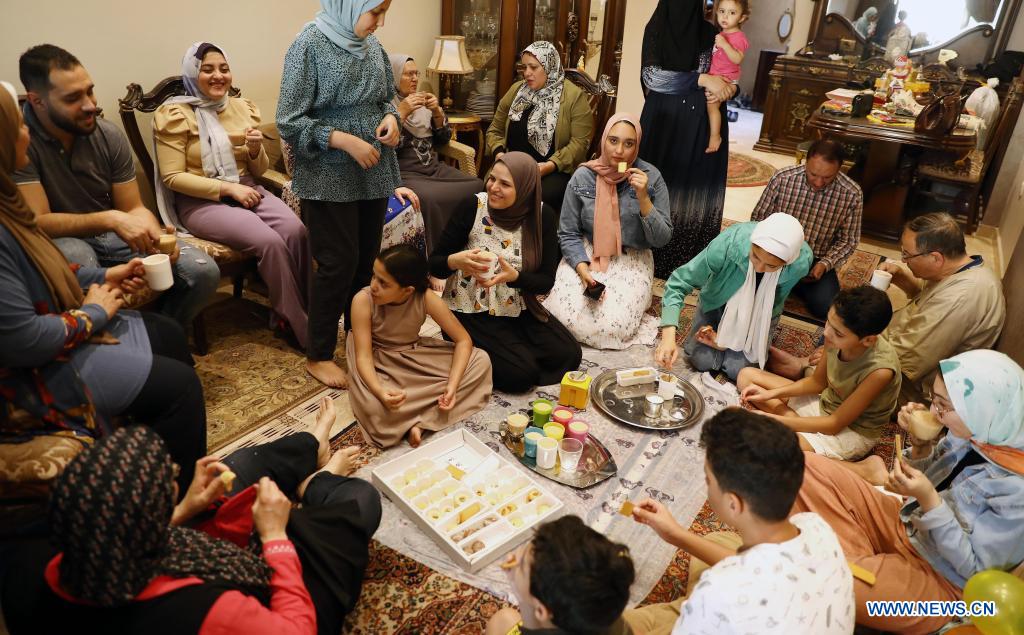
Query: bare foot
pixel 436 284
pixel 415 436
pixel 342 463
pixel 327 373
pixel 785 364
pixel 871 469
pixel 322 430
pixel 713 144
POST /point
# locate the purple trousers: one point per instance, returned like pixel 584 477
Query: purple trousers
pixel 273 234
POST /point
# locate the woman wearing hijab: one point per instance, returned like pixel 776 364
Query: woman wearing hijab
pixel 867 23
pixel 209 151
pixel 547 117
pixel 744 277
pixel 336 112
pixel 960 512
pixel 498 253
pixel 439 186
pixel 239 561
pixel 676 57
pixel 71 361
pixel 615 211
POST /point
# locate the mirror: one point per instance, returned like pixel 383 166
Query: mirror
pixel 785 25
pixel 916 25
pixel 595 33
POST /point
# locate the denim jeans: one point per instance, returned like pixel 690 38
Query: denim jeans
pixel 196 275
pixel 703 357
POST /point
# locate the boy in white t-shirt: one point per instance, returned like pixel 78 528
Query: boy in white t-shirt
pixel 790 575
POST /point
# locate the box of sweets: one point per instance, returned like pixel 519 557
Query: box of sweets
pixel 474 503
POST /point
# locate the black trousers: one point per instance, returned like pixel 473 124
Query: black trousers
pixel 332 529
pixel 818 295
pixel 171 401
pixel 552 189
pixel 524 351
pixel 345 240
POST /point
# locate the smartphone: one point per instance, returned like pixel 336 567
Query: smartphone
pixel 594 292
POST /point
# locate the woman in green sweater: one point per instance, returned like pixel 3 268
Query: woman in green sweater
pixel 744 277
pixel 547 117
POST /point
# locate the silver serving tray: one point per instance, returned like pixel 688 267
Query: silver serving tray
pixel 596 463
pixel 626 403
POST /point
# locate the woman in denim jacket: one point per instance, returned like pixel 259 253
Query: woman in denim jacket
pixel 615 210
pixel 961 504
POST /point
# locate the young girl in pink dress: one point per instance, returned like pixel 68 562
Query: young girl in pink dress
pixel 730 45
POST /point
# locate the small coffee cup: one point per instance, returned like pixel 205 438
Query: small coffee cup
pixel 167 243
pixel 158 272
pixel 881 279
pixel 491 258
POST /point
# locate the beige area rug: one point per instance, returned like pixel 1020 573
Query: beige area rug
pixel 250 377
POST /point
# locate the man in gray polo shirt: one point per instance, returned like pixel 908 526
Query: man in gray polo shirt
pixel 81 182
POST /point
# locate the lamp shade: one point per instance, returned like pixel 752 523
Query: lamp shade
pixel 450 56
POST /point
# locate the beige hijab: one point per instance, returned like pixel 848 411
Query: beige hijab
pixel 18 219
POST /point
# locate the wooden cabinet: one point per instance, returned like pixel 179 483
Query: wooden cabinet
pixel 497 30
pixel 796 88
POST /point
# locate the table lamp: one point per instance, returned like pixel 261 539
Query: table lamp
pixel 449 58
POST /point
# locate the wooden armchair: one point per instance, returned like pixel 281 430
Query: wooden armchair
pixel 972 176
pixel 233 264
pixel 602 98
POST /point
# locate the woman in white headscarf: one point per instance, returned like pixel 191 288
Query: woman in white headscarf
pixel 959 507
pixel 209 150
pixel 439 186
pixel 547 117
pixel 744 277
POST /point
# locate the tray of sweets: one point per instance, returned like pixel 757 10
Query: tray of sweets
pixel 626 404
pixel 474 503
pixel 596 463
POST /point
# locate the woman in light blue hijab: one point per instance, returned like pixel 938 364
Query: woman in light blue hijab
pixel 336 113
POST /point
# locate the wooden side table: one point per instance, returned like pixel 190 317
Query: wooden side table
pixel 468 122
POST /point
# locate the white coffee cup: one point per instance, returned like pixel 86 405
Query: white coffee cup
pixel 158 272
pixel 547 452
pixel 492 258
pixel 880 279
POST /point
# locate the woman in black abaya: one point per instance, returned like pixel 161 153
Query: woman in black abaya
pixel 676 56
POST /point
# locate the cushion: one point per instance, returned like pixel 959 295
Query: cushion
pixel 939 165
pixel 221 254
pixel 28 469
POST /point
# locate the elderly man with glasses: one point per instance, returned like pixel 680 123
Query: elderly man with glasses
pixel 955 304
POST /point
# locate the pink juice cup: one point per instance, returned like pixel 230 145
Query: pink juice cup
pixel 562 416
pixel 578 429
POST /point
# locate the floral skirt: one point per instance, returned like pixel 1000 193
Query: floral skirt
pixel 619 319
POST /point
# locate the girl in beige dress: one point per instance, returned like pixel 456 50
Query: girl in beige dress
pixel 403 384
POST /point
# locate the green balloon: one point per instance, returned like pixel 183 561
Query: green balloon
pixel 1007 591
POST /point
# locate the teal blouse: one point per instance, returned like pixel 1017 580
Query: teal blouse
pixel 325 88
pixel 719 272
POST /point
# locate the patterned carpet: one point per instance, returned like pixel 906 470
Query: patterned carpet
pixel 746 171
pixel 256 385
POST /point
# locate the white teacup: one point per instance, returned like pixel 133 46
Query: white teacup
pixel 881 279
pixel 492 258
pixel 158 272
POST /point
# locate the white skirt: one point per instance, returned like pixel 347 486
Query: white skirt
pixel 619 319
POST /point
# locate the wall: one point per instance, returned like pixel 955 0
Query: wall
pixel 1006 208
pixel 762 30
pixel 123 41
pixel 638 12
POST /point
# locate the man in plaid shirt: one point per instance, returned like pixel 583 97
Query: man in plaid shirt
pixel 829 205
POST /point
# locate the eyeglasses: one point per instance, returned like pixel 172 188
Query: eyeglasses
pixel 905 257
pixel 411 74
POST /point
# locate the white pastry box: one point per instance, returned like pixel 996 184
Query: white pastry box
pixel 472 501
